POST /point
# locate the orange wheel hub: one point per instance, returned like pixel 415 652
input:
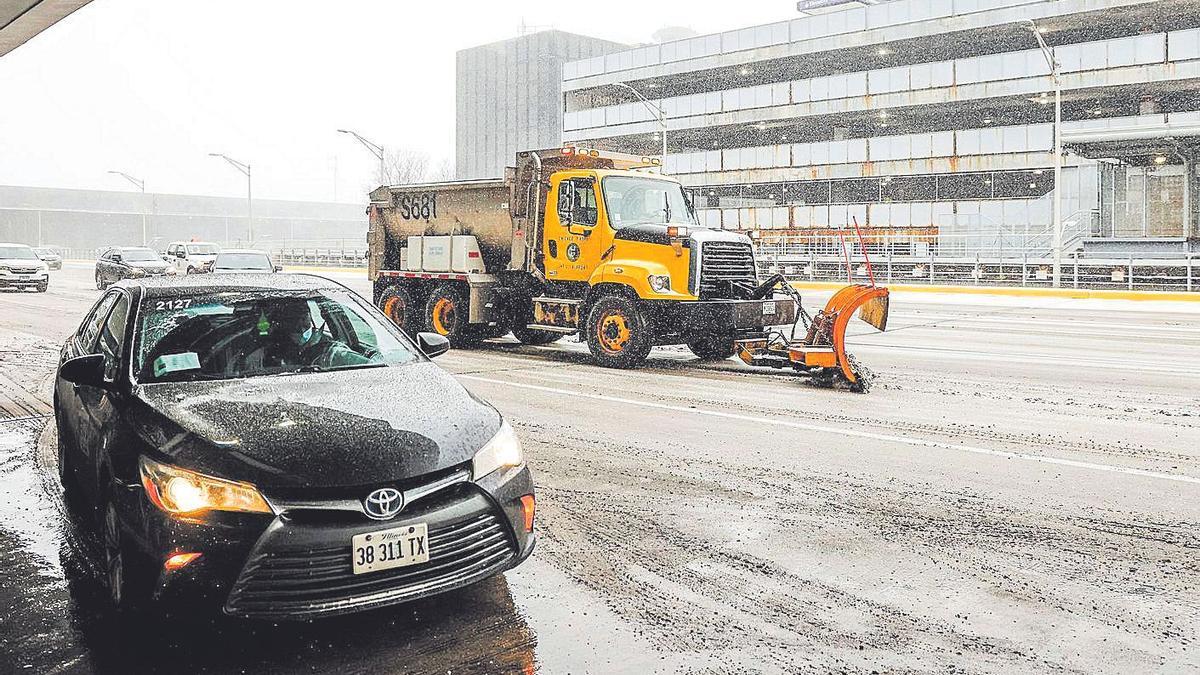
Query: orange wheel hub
pixel 612 331
pixel 443 318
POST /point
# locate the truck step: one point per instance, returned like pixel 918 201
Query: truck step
pixel 552 329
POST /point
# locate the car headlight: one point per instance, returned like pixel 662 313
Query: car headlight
pixel 502 451
pixel 181 492
pixel 660 282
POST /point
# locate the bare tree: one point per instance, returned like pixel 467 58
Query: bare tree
pixel 444 171
pixel 403 166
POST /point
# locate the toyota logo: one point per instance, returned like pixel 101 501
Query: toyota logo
pixel 383 503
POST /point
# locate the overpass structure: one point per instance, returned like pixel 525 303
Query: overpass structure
pixel 21 20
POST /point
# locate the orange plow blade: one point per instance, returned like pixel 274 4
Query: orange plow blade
pixel 822 352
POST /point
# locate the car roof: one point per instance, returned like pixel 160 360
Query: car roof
pixel 245 250
pixel 161 287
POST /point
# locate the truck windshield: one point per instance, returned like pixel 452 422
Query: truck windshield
pixel 636 201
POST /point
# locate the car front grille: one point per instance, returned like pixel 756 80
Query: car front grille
pixel 23 270
pixel 722 262
pixel 298 583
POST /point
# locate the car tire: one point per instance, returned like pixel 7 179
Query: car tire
pixel 446 314
pixel 400 305
pixel 127 577
pixel 533 336
pixel 43 287
pixel 618 332
pixel 191 270
pixel 100 282
pixel 713 348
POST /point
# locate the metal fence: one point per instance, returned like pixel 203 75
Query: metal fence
pixel 934 260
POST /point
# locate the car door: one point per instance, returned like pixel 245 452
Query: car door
pixel 71 397
pixel 102 267
pixel 100 406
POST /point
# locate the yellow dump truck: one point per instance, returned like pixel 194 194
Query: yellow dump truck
pixel 570 241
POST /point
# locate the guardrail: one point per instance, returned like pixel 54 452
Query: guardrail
pixel 323 257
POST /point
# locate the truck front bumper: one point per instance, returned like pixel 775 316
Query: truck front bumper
pixel 677 322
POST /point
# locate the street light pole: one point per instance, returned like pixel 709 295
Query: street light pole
pixel 245 169
pixel 658 112
pixel 375 149
pixel 1052 61
pixel 141 185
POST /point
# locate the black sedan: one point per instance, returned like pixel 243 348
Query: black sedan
pixel 129 262
pixel 277 447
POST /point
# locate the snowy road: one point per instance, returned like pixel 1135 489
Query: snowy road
pixel 1020 492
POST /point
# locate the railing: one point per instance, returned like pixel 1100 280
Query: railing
pixel 917 259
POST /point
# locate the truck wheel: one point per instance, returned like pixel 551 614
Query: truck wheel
pixel 446 314
pixel 533 336
pixel 398 304
pixel 713 348
pixel 618 333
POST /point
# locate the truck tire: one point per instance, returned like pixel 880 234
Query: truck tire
pixel 398 304
pixel 713 347
pixel 446 313
pixel 533 336
pixel 618 332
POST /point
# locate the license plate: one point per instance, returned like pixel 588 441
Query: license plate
pixel 386 549
pixel 768 308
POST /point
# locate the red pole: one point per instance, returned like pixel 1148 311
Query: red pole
pixel 863 244
pixel 846 252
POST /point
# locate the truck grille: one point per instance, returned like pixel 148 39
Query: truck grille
pixel 722 262
pixel 321 580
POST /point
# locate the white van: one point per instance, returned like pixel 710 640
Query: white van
pixel 191 257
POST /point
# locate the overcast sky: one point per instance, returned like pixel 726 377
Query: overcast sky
pixel 150 87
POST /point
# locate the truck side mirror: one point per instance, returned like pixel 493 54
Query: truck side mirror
pixel 566 199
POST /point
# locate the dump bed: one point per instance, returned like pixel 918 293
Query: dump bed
pixel 479 208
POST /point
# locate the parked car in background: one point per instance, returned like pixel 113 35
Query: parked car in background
pixel 51 257
pixel 21 268
pixel 236 458
pixel 190 257
pixel 243 260
pixel 129 262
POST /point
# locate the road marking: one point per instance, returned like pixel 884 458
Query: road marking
pixel 1015 356
pixel 924 443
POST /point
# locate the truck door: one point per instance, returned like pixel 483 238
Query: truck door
pixel 572 243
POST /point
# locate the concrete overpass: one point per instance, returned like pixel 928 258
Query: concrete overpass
pixel 20 20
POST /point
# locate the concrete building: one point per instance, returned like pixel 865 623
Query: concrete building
pixel 21 20
pixel 81 220
pixel 930 121
pixel 508 97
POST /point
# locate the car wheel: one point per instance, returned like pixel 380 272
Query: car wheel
pixel 398 303
pixel 128 580
pixel 191 270
pixel 43 287
pixel 99 282
pixel 713 348
pixel 618 332
pixel 446 314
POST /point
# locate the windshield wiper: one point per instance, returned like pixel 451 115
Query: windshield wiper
pixel 667 207
pixel 323 369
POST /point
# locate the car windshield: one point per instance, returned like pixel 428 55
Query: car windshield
pixel 139 255
pixel 202 249
pixel 637 201
pixel 217 336
pixel 45 251
pixel 243 261
pixel 17 253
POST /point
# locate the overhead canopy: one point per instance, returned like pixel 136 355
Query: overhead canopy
pixel 20 20
pixel 1138 145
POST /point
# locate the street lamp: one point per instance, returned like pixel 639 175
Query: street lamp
pixel 141 185
pixel 245 169
pixel 658 112
pixel 375 149
pixel 1052 61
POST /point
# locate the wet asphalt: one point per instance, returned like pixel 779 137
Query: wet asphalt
pixel 705 520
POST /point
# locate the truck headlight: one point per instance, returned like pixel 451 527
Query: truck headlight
pixel 502 451
pixel 661 283
pixel 181 492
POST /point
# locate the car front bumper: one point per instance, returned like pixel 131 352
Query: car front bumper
pixel 10 279
pixel 297 564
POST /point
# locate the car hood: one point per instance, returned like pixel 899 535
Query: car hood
pixel 21 262
pixel 320 430
pixel 146 264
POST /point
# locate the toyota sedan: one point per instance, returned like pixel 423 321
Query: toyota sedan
pixel 275 446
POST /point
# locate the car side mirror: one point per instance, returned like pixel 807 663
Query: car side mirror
pixel 180 254
pixel 116 257
pixel 432 344
pixel 279 268
pixel 85 371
